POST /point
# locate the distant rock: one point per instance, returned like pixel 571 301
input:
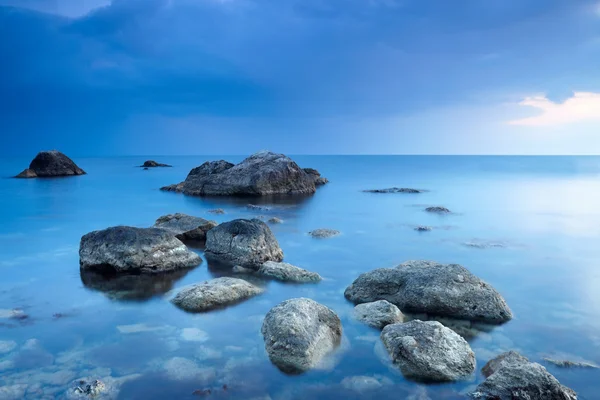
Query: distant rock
pixel 125 249
pixel 394 190
pixel 316 176
pixel 378 314
pixel 153 164
pixel 428 351
pixel 512 376
pixel 214 294
pixel 248 243
pixel 263 173
pixel 298 333
pixel 218 211
pixel 438 210
pixel 49 164
pixel 423 228
pixel 447 290
pixel 282 272
pixel 185 227
pixel 324 233
pixel 275 220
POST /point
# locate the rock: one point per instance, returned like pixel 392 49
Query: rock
pixel 217 211
pixel 438 210
pixel 364 384
pixel 275 220
pixel 126 249
pixel 183 369
pixel 177 187
pixel 298 333
pixel 282 272
pixel 216 293
pixel 27 173
pixel 50 164
pixel 6 346
pixel 428 351
pixel 446 290
pixel 316 176
pixel 258 208
pixel 263 173
pixel 571 364
pixel 423 229
pixel 185 227
pixel 106 388
pixel 323 233
pixel 512 376
pixel 153 164
pixel 248 243
pixel 394 190
pixel 378 314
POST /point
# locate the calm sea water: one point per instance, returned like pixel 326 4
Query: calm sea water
pixel 544 210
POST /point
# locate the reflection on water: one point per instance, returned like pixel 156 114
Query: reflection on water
pixel 124 331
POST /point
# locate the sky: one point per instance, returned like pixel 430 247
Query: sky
pixel 183 77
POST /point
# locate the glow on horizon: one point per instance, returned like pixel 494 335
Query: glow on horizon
pixel 581 107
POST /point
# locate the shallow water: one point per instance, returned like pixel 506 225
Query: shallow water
pixel 535 222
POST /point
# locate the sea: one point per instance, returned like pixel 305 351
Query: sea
pixel 529 226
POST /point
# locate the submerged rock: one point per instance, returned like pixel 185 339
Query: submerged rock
pixel 248 243
pixel 125 249
pixel 316 176
pixel 258 208
pixel 282 272
pixel 275 220
pixel 153 164
pixel 511 376
pixel 438 210
pixel 394 190
pixel 428 351
pixel 323 233
pixel 185 227
pixel 298 333
pixel 447 290
pixel 263 173
pixel 378 314
pixel 216 293
pixel 218 211
pixel 106 388
pixel 49 164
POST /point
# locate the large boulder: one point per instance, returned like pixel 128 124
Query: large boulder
pixel 248 243
pixel 185 227
pixel 510 376
pixel 428 351
pixel 283 272
pixel 214 294
pixel 125 249
pixel 378 314
pixel 298 333
pixel 447 290
pixel 263 173
pixel 49 164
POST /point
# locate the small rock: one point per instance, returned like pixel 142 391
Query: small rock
pixel 378 314
pixel 282 272
pixel 323 233
pixel 216 211
pixel 12 314
pixel 394 190
pixel 216 293
pixel 298 333
pixel 428 351
pixel 275 220
pixel 438 210
pixel 153 164
pixel 423 228
pixel 484 245
pixel 50 164
pixel 258 208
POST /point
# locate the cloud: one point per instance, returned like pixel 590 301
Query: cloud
pixel 582 107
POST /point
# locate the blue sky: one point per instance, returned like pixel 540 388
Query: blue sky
pixel 101 77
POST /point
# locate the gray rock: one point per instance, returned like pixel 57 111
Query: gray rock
pixel 263 173
pixel 423 229
pixel 248 243
pixel 510 376
pixel 395 190
pixel 275 220
pixel 258 208
pixel 447 290
pixel 323 233
pixel 428 351
pixel 153 164
pixel 214 294
pixel 571 364
pixel 316 176
pixel 218 211
pixel 438 210
pixel 176 187
pixel 106 388
pixel 378 314
pixel 282 272
pixel 477 244
pixel 134 250
pixel 49 164
pixel 185 227
pixel 298 333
